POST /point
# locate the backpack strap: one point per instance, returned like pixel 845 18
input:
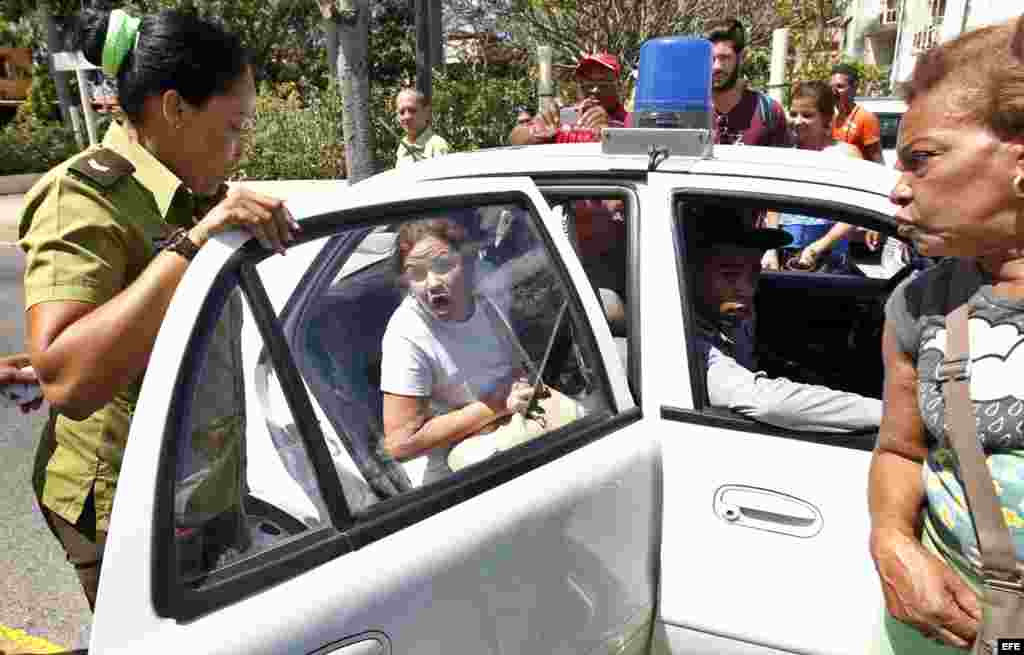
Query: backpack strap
pixel 764 111
pixel 998 554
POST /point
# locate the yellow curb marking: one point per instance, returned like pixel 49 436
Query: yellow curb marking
pixel 13 641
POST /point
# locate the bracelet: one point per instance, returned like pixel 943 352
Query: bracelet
pixel 180 243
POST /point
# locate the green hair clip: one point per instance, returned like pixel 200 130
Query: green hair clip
pixel 122 33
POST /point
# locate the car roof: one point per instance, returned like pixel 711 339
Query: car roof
pixel 582 160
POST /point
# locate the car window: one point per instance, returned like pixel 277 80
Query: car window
pixel 243 480
pixel 429 330
pixel 889 124
pixel 598 222
pixel 752 325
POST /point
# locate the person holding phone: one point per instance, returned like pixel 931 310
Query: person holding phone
pixel 599 106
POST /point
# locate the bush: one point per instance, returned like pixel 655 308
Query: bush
pixel 31 146
pixel 295 137
pixel 473 108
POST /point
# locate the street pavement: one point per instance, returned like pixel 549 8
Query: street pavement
pixel 39 593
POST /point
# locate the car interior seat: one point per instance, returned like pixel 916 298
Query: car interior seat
pixel 345 376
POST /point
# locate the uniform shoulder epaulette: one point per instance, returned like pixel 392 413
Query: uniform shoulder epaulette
pixel 104 167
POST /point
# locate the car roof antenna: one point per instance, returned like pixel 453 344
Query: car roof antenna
pixel 656 155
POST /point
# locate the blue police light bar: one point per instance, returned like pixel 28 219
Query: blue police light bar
pixel 674 85
pixel 672 108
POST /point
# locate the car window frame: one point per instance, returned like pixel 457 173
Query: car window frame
pixel 345 532
pixel 702 413
pixel 371 523
pixel 171 597
pixel 583 189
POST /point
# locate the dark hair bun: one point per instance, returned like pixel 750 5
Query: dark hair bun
pixel 91 34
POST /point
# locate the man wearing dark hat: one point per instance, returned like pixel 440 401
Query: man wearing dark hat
pixel 597 79
pixel 728 264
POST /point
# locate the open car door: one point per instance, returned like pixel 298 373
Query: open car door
pixel 765 530
pixel 259 511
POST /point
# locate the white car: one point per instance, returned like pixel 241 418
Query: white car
pixel 653 524
pixel 889 110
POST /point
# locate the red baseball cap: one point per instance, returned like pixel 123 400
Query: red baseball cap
pixel 605 60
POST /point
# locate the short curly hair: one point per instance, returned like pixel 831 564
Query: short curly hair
pixel 981 75
pixel 450 231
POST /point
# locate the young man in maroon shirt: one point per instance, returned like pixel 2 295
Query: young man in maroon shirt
pixel 742 116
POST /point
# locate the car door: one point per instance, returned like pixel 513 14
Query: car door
pixel 267 530
pixel 764 534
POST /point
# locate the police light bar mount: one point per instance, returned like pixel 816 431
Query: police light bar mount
pixel 664 141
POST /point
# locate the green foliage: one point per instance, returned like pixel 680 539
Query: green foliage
pixel 473 107
pixel 40 106
pixel 284 36
pixel 32 146
pixel 17 33
pixel 294 137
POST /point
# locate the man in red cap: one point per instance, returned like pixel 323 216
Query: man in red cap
pixel 597 79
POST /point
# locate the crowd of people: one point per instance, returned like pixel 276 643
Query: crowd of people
pixel 109 233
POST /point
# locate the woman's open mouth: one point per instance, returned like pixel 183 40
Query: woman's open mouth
pixel 439 302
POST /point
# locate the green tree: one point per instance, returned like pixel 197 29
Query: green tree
pixel 351 21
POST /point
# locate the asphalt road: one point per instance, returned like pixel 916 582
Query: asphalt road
pixel 39 592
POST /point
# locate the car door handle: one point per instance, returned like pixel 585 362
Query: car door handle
pixel 362 647
pixel 764 509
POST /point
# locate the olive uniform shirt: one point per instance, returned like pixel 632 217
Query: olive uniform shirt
pixel 88 229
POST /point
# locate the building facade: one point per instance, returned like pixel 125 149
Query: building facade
pixel 894 32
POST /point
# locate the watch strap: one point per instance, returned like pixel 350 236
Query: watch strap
pixel 180 243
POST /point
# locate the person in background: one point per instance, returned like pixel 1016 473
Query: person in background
pixel 853 124
pixel 108 236
pixel 728 267
pixel 523 116
pixel 420 142
pixel 818 243
pixel 960 196
pixel 742 116
pixel 599 105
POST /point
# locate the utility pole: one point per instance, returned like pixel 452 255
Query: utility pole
pixel 424 80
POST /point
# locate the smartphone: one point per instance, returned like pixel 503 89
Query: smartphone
pixel 19 393
pixel 567 116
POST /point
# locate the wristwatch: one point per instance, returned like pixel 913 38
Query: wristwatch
pixel 180 243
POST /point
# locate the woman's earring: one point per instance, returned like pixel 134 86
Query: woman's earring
pixel 1018 186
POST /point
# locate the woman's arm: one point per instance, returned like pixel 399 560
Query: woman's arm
pixel 919 588
pixel 84 353
pixel 410 430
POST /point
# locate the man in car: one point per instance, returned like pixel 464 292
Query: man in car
pixel 598 106
pixel 742 115
pixel 854 124
pixel 728 264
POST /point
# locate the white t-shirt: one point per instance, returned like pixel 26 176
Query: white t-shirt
pixel 453 363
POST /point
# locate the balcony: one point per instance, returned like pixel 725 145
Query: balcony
pixel 890 12
pixel 886 21
pixel 927 38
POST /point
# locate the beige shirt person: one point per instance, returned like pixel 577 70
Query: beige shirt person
pixel 427 145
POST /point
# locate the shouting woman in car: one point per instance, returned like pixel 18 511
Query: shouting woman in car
pixel 451 367
pixel 961 195
pixel 818 243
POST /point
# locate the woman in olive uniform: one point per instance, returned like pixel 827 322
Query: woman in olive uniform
pixel 108 235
